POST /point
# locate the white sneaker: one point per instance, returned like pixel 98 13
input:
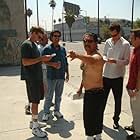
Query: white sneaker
pixel 57 114
pixel 98 137
pixel 45 117
pixel 90 138
pixel 40 124
pixel 36 130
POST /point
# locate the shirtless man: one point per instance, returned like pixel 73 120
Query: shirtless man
pixel 93 83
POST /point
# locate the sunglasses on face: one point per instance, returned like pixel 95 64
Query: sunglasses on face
pixel 88 41
pixel 39 37
pixel 56 36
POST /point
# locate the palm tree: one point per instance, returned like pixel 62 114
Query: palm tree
pixel 137 23
pixel 52 5
pixel 70 19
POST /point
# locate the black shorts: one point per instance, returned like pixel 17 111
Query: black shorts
pixel 35 91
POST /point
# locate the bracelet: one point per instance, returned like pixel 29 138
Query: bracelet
pixel 133 90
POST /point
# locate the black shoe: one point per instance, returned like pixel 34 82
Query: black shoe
pixel 27 110
pixel 116 125
pixel 133 137
pixel 130 128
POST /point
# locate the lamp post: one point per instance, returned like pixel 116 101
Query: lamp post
pixel 52 5
pixel 132 14
pixel 25 12
pixel 37 13
pixel 29 13
pixel 98 20
pixel 63 38
pixel 85 18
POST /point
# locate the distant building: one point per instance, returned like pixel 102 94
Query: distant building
pixel 12 31
pixel 79 27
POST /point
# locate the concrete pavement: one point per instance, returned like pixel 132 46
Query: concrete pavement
pixel 14 123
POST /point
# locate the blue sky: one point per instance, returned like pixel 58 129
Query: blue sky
pixel 108 8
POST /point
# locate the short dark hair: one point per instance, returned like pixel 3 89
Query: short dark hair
pixel 136 32
pixel 37 29
pixel 93 35
pixel 52 33
pixel 115 26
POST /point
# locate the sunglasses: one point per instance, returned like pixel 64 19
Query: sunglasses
pixel 40 37
pixel 88 41
pixel 56 36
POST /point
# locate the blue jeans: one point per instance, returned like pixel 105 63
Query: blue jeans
pixel 57 87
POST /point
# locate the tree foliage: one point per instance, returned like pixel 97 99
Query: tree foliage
pixel 137 23
pixel 70 19
pixel 104 31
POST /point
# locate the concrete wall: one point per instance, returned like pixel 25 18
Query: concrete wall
pixel 12 31
pixel 79 28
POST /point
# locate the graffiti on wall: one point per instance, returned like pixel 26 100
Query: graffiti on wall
pixel 9 47
pixel 9 41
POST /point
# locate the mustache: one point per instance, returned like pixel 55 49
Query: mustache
pixel 114 35
pixel 88 46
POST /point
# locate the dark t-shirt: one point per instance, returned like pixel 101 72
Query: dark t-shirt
pixel 53 73
pixel 32 72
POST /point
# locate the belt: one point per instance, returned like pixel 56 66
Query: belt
pixel 95 89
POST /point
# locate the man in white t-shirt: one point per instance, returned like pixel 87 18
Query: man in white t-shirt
pixel 41 46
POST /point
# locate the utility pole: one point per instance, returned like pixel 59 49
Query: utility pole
pixel 37 13
pixel 25 13
pixel 98 20
pixel 63 38
pixel 132 14
pixel 29 13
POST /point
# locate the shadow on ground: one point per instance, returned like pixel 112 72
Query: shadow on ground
pixel 119 134
pixel 9 70
pixel 60 126
pixel 36 138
